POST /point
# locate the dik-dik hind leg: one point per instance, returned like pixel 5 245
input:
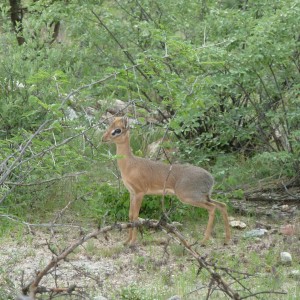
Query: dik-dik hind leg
pixel 211 217
pixel 223 209
pixel 211 207
pixel 134 210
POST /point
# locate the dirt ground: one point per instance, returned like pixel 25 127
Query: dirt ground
pixel 157 268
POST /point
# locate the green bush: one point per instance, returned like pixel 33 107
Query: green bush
pixel 113 204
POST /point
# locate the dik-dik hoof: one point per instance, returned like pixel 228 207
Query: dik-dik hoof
pixel 227 242
pixel 127 242
pixel 130 243
pixel 204 242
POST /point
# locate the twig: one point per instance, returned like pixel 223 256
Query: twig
pixel 45 181
pixel 32 287
pixel 128 55
pixel 15 219
pixel 222 284
pixel 90 85
pixel 22 152
pixel 262 293
pixel 286 190
pixel 209 290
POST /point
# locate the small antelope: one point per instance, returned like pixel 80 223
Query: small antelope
pixel 191 184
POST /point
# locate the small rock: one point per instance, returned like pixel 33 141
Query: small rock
pixel 294 274
pixel 23 297
pixel 237 224
pixel 153 148
pixel 288 229
pixel 177 224
pixel 262 225
pixel 255 233
pixel 118 107
pixel 286 258
pixel 285 208
pixel 176 297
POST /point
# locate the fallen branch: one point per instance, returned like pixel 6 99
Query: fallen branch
pixel 215 277
pixel 262 293
pixel 32 287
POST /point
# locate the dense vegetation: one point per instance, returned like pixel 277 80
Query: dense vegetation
pixel 222 77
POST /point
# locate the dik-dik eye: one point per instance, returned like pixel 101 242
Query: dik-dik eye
pixel 116 132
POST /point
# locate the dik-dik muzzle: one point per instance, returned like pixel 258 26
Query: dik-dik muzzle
pixel 118 128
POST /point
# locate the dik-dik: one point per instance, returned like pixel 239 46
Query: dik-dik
pixel 191 184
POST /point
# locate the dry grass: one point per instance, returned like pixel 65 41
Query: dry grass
pixel 156 269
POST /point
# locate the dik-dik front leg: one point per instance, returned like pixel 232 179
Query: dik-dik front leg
pixel 134 210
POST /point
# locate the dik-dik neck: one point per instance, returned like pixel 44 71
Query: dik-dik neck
pixel 124 151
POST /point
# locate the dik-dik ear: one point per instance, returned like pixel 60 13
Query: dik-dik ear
pixel 125 122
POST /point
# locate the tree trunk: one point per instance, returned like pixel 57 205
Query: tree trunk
pixel 16 16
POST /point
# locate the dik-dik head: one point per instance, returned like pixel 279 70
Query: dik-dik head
pixel 117 131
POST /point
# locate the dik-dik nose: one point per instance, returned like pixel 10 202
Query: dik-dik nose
pixel 104 137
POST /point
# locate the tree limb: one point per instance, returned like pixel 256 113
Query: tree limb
pixel 45 181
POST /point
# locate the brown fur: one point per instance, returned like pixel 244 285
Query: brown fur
pixel 191 184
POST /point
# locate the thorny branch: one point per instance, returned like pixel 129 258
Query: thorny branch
pixel 20 155
pixel 19 159
pixel 51 180
pixel 32 287
pixel 15 219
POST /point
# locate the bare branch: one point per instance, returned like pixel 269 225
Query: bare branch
pixel 90 85
pixel 15 219
pixel 22 152
pixel 32 287
pixel 128 55
pixel 51 180
pixel 262 293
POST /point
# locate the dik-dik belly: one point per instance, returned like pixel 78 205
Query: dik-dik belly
pixel 146 187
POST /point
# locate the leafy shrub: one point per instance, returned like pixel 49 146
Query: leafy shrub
pixel 113 203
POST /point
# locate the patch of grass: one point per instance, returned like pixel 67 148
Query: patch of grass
pixel 91 248
pixel 110 252
pixel 233 172
pixel 95 249
pixel 167 278
pixel 133 292
pixel 177 250
pixel 139 260
pixel 6 287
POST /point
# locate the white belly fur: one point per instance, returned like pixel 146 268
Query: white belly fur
pixel 160 192
pixel 150 191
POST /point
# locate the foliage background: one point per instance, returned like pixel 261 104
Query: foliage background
pixel 222 77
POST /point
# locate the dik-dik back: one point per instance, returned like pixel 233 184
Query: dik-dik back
pixel 192 185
